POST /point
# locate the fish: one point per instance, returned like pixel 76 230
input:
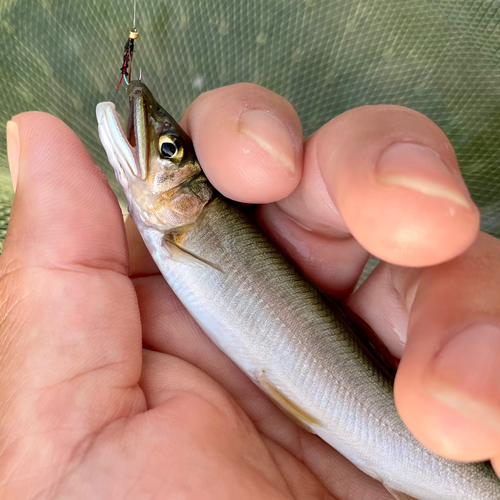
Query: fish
pixel 297 345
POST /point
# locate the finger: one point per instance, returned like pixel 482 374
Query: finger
pixel 384 301
pixel 388 176
pixel 447 387
pixel 48 223
pixel 71 350
pixel 248 140
pixel 496 464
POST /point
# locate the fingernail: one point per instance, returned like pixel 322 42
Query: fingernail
pixel 421 169
pixel 13 149
pixel 464 374
pixel 270 133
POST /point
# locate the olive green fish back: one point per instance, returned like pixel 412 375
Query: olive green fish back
pixel 325 56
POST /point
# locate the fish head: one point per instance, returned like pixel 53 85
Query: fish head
pixel 154 162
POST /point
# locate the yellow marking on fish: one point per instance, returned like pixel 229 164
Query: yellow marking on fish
pixel 177 238
pixel 293 410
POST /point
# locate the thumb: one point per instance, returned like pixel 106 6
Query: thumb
pixel 70 337
pixel 64 212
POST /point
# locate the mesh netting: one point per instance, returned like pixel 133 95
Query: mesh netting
pixel 325 56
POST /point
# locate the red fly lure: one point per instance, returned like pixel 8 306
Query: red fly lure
pixel 128 53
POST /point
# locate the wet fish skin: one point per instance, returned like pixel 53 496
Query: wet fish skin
pixel 265 316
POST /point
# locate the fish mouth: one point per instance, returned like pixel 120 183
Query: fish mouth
pixel 128 153
pixel 121 154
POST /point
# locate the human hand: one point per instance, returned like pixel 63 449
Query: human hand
pixel 85 415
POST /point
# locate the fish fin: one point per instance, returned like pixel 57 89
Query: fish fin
pixel 293 410
pixel 398 495
pixel 168 244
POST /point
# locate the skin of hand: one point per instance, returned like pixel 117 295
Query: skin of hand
pixel 108 388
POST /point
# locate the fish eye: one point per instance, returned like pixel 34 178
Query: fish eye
pixel 170 148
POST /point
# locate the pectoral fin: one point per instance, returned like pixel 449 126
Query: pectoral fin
pixel 174 249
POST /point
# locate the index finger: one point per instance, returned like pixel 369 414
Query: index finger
pixel 248 140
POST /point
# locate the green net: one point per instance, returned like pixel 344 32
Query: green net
pixel 325 56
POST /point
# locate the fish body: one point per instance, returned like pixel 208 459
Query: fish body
pixel 257 307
